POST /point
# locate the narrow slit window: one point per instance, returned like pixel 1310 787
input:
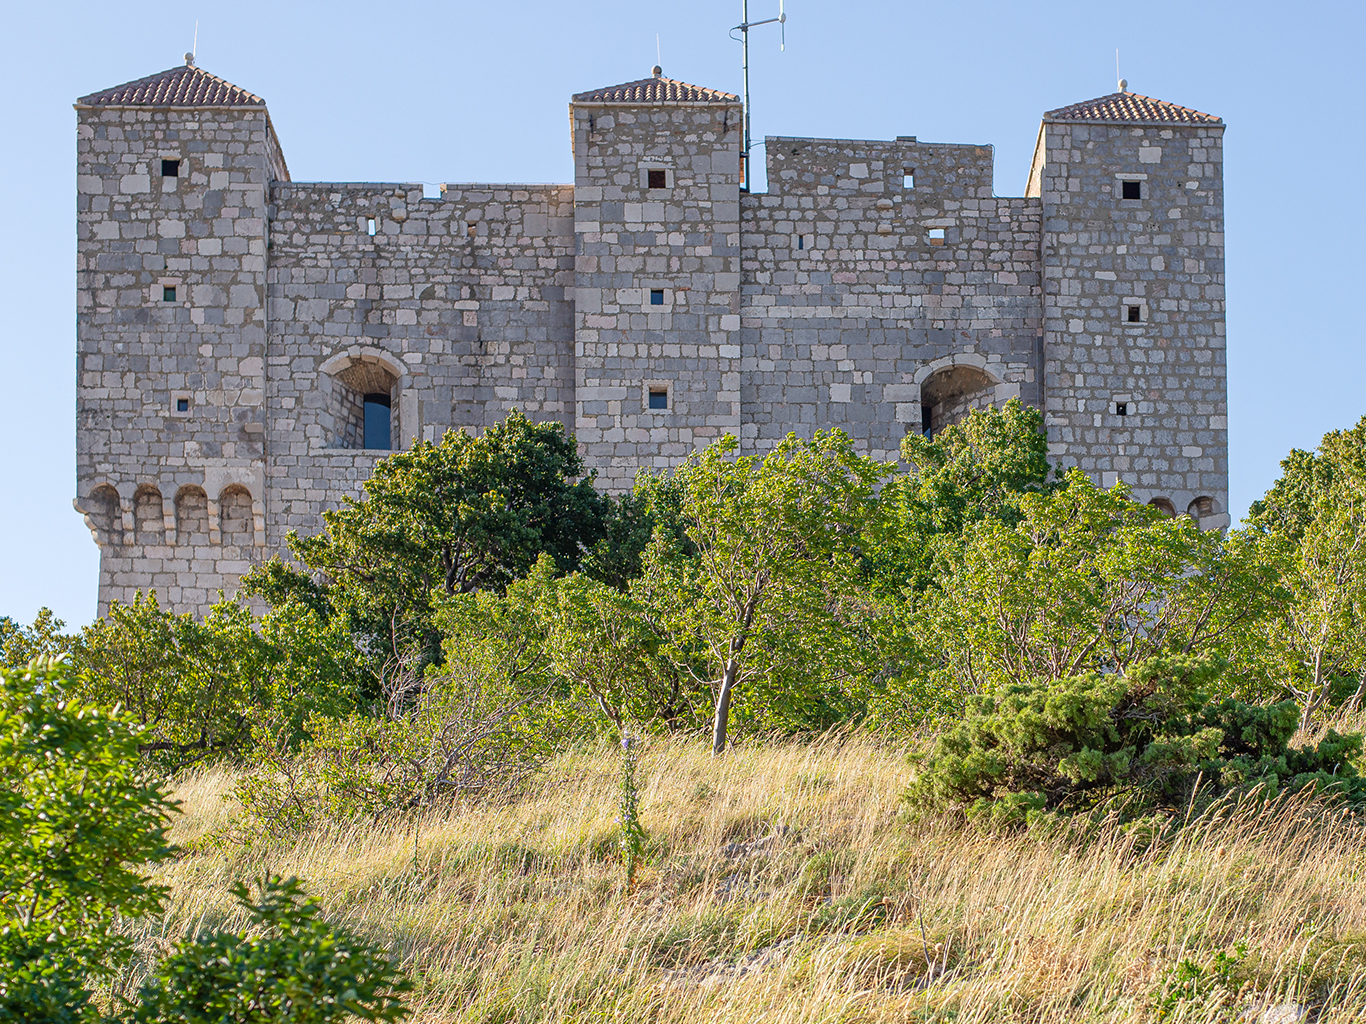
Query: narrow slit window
pixel 1121 408
pixel 908 179
pixel 170 168
pixel 1133 314
pixel 659 398
pixel 801 241
pixel 936 236
pixel 1131 190
pixel 168 293
pixel 656 296
pixel 370 226
pixel 657 177
pixel 377 421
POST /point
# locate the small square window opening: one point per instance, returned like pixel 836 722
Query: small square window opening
pixel 1121 408
pixel 657 177
pixel 168 293
pixel 659 398
pixel 936 236
pixel 1131 190
pixel 170 168
pixel 656 296
pixel 1133 314
pixel 908 179
pixel 370 226
pixel 182 405
pixel 472 230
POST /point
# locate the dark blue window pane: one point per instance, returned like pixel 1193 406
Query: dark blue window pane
pixel 656 296
pixel 377 421
pixel 659 399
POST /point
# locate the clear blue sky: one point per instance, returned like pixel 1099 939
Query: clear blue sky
pixel 458 91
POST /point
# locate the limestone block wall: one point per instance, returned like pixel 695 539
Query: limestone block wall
pixel 850 307
pixel 681 241
pixel 1163 254
pixel 171 344
pixel 459 305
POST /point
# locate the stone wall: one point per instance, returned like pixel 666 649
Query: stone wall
pixel 462 301
pixel 171 340
pixel 1164 254
pixel 681 241
pixel 848 304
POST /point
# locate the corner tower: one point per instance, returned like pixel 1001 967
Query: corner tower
pixel 172 179
pixel 656 272
pixel 1135 385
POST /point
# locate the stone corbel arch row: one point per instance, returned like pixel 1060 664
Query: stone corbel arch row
pixel 109 509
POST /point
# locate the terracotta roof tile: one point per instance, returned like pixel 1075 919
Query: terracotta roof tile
pixel 183 86
pixel 1130 106
pixel 656 89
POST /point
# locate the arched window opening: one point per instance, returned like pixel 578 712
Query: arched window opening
pixel 1164 506
pixel 106 514
pixel 377 432
pixel 1201 507
pixel 236 522
pixel 364 392
pixel 191 515
pixel 149 521
pixel 948 395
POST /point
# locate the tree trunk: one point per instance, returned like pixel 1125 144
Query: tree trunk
pixel 718 729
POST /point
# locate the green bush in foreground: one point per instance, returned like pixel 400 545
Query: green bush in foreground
pixel 1134 743
pixel 290 965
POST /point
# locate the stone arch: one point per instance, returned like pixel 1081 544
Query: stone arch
pixel 365 384
pixel 191 515
pixel 237 521
pixel 1165 506
pixel 149 515
pixel 104 514
pixel 953 386
pixel 1201 507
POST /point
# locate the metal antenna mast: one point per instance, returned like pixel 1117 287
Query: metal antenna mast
pixel 743 28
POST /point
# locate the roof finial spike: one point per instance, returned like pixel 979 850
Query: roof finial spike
pixel 1123 85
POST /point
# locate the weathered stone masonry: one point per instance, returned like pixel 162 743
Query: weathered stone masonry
pixel 236 328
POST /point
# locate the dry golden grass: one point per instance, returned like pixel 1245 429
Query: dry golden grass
pixel 517 913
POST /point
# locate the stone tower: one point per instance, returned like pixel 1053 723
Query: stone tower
pixel 172 179
pixel 1133 274
pixel 656 272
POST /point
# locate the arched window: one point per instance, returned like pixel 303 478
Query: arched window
pixel 149 521
pixel 949 394
pixel 1201 507
pixel 365 387
pixel 1164 506
pixel 237 525
pixel 191 515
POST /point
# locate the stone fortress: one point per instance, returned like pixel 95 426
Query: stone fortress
pixel 249 346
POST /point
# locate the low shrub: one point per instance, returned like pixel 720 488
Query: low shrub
pixel 1134 743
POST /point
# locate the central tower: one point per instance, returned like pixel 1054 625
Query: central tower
pixel 656 272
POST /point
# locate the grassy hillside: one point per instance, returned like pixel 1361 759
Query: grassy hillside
pixel 784 883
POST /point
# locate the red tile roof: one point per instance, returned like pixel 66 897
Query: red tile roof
pixel 184 86
pixel 1130 106
pixel 656 89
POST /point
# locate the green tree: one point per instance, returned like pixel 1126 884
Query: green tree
pixel 288 966
pixel 975 470
pixel 1086 581
pixel 770 595
pixel 20 644
pixel 468 513
pixel 79 822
